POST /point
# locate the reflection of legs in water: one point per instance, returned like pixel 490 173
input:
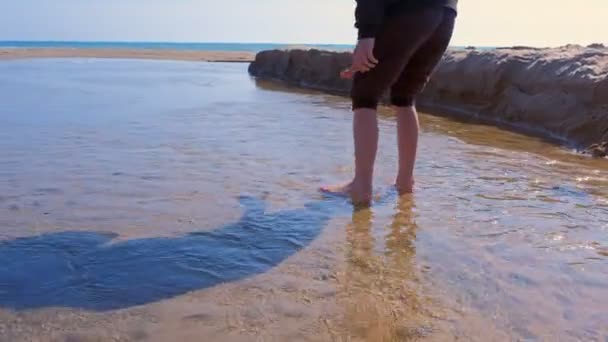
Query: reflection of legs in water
pixel 364 316
pixel 381 303
pixel 361 242
pixel 400 241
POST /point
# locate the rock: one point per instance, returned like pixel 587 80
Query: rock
pixel 596 46
pixel 518 47
pixel 561 91
pixel 572 46
pixel 598 150
pixel 312 69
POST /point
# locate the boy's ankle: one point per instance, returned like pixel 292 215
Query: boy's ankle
pixel 366 180
pixel 405 184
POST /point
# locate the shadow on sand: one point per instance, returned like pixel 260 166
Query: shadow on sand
pixel 87 270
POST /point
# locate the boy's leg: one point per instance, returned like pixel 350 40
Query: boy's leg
pixel 412 81
pixel 407 142
pixel 365 134
pixel 399 39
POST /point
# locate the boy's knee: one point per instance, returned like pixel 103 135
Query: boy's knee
pixel 403 101
pixel 366 91
pixel 364 102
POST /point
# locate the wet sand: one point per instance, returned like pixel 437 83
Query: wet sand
pixel 206 56
pixel 122 191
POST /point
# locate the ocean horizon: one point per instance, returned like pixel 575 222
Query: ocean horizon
pixel 192 46
pixel 185 46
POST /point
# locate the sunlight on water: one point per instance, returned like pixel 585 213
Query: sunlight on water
pixel 148 200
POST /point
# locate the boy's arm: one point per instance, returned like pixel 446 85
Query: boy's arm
pixel 369 16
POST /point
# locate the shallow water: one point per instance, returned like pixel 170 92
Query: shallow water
pixel 155 200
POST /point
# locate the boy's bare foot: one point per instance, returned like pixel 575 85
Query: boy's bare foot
pixel 405 186
pixel 359 194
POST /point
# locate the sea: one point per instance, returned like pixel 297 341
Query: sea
pixel 241 47
pixel 190 46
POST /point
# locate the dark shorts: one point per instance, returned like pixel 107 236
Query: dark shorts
pixel 409 48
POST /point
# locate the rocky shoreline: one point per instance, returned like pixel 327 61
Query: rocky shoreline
pixel 559 92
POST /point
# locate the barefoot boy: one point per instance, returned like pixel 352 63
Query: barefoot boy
pixel 400 44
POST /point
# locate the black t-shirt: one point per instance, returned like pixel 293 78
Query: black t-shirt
pixel 370 14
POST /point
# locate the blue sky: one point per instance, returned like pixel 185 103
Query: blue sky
pixel 481 22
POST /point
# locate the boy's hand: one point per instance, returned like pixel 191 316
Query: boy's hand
pixel 363 58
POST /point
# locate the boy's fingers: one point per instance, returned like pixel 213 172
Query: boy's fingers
pixel 363 68
pixel 363 61
pixel 369 60
pixel 358 64
pixel 347 74
pixel 370 64
pixel 372 58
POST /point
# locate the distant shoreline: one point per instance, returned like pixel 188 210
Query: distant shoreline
pixel 158 54
pixel 179 52
pixel 188 46
pixel 172 46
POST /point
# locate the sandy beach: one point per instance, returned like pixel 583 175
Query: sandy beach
pixel 206 56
